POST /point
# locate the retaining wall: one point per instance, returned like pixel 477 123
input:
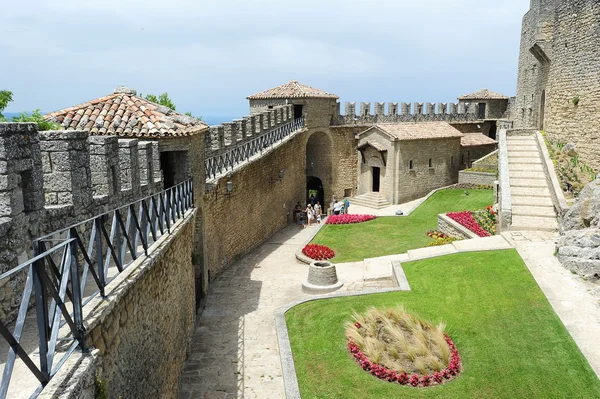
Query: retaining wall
pixel 477 178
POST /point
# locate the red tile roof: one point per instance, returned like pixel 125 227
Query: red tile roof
pixel 475 139
pixel 483 94
pixel 419 130
pixel 293 89
pixel 124 114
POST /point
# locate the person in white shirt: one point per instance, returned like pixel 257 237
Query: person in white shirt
pixel 337 207
pixel 310 214
pixel 317 209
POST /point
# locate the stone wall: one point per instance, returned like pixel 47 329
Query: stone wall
pixel 558 88
pixel 259 204
pixel 476 178
pixel 473 153
pixel 454 229
pixel 344 158
pixel 142 330
pixel 52 179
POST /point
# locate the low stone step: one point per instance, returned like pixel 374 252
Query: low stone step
pixel 526 174
pixel 520 138
pixel 528 183
pixel 523 154
pixel 534 223
pixel 521 142
pixel 513 167
pixel 531 200
pixel 530 191
pixel 524 210
pixel 534 161
pixel 519 147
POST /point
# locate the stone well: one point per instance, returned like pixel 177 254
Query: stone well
pixel 322 278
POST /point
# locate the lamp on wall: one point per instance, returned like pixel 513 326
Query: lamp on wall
pixel 229 187
pixel 281 174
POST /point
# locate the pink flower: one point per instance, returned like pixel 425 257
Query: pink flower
pixel 348 218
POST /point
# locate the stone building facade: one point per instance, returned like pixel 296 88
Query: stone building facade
pixel 558 88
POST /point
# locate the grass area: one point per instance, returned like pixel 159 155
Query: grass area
pixel 511 342
pixel 394 234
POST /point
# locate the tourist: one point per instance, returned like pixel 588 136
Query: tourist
pixel 309 214
pixel 298 213
pixel 330 210
pixel 346 205
pixel 318 212
pixel 337 207
pixel 312 200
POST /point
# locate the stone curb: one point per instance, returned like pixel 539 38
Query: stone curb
pixel 557 194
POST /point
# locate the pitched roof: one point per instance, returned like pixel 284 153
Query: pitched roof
pixel 483 94
pixel 124 114
pixel 293 89
pixel 419 130
pixel 475 139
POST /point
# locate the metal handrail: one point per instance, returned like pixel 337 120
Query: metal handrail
pixel 227 160
pixel 57 275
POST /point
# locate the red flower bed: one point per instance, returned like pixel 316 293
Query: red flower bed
pixel 466 219
pixel 318 252
pixel 347 218
pixel 414 380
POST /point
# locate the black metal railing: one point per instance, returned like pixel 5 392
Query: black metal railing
pixel 73 265
pixel 227 160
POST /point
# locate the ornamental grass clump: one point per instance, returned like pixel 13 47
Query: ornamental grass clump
pixel 400 347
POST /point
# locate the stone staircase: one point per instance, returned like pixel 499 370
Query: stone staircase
pixel 532 207
pixel 371 200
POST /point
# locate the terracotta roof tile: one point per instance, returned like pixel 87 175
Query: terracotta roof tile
pixel 483 94
pixel 475 139
pixel 124 114
pixel 419 130
pixel 293 89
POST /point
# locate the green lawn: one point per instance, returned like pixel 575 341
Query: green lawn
pixel 394 234
pixel 512 343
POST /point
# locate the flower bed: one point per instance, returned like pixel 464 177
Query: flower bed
pixel 486 218
pixel 318 252
pixel 440 238
pixel 347 218
pixel 466 219
pixel 399 347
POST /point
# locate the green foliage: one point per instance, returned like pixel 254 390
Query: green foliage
pixel 5 97
pixel 190 114
pixel 576 100
pixel 37 117
pixel 162 99
pixel 101 387
pixel 512 342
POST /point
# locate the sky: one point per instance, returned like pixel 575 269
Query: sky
pixel 209 55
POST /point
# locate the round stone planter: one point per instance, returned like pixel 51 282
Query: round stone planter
pixel 322 278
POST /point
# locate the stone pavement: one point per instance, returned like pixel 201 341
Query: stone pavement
pixel 235 351
pixel 574 300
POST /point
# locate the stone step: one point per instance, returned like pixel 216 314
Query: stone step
pixel 514 167
pixel 518 147
pixel 370 200
pixel 534 161
pixel 523 154
pixel 534 223
pixel 520 142
pixel 517 138
pixel 528 183
pixel 531 200
pixel 523 210
pixel 525 174
pixel 530 191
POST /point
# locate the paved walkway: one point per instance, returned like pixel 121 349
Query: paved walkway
pixel 576 301
pixel 235 352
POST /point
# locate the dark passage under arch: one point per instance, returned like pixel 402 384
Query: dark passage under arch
pixel 314 187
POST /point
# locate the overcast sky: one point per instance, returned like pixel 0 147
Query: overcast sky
pixel 209 55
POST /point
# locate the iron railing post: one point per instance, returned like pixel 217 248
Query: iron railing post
pixel 99 254
pixel 76 288
pixel 41 309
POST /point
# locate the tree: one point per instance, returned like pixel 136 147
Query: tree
pixel 162 99
pixel 37 117
pixel 5 97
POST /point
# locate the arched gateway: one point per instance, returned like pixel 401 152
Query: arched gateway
pixel 318 168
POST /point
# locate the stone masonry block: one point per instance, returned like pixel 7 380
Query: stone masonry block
pixel 379 109
pixel 392 109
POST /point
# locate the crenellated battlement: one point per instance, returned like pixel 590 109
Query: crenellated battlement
pixel 229 135
pixel 52 179
pixel 408 112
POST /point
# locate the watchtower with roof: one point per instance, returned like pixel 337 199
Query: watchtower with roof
pixel 317 106
pixel 491 105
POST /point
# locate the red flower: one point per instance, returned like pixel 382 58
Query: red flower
pixel 466 219
pixel 318 252
pixel 348 218
pixel 357 324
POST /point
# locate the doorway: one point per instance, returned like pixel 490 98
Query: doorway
pixel 167 165
pixel 314 191
pixel 493 131
pixel 481 111
pixel 376 172
pixel 297 111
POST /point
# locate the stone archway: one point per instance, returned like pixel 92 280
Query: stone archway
pixel 319 165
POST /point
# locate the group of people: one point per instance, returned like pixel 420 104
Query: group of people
pixel 312 213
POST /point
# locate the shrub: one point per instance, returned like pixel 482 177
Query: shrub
pixel 348 218
pixel 318 252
